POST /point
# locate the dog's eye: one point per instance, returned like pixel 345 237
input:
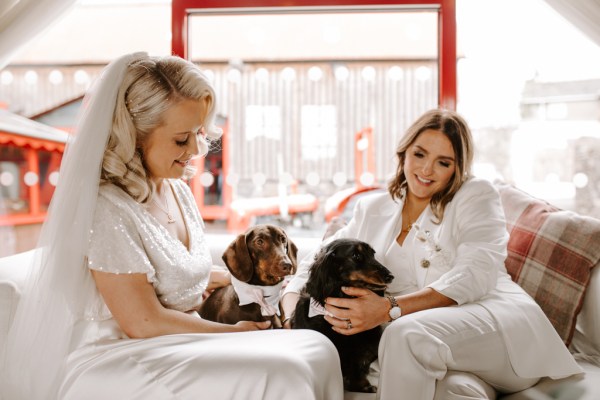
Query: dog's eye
pixel 260 242
pixel 356 256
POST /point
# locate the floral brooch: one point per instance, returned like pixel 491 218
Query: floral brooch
pixel 436 256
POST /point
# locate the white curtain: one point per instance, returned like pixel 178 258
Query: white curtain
pixel 23 20
pixel 584 14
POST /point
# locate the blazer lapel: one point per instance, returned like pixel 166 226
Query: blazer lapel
pixel 382 227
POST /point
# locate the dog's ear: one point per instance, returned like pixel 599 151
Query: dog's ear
pixel 292 251
pixel 323 279
pixel 237 259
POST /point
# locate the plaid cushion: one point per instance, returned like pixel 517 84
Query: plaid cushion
pixel 550 254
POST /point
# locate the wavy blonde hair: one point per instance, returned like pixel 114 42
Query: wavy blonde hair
pixel 457 131
pixel 151 86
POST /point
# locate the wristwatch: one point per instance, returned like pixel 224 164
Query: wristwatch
pixel 395 310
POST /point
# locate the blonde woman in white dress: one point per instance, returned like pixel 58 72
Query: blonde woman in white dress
pixel 123 262
pixel 459 327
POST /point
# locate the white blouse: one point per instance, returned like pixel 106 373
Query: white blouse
pixel 398 261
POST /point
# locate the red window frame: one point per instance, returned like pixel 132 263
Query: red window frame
pixel 447 56
pixel 181 10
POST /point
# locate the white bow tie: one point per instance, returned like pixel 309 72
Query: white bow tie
pixel 317 309
pixel 266 296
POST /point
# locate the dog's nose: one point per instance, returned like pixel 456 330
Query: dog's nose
pixel 286 266
pixel 388 277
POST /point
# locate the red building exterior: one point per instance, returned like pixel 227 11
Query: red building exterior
pixel 30 155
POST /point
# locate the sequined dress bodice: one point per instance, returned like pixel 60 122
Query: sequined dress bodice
pixel 127 239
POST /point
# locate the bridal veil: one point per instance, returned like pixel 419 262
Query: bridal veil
pixel 59 289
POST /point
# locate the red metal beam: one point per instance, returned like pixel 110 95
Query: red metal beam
pixel 199 4
pixel 33 166
pixel 364 159
pixel 179 17
pixel 22 219
pixel 447 55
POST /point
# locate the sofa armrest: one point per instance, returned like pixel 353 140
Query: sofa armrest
pixel 9 299
pixel 586 339
pixel 13 272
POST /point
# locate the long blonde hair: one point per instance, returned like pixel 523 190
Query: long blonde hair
pixel 151 86
pixel 457 131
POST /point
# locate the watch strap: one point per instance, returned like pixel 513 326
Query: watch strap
pixel 393 302
pixel 394 312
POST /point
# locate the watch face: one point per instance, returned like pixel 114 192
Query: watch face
pixel 395 312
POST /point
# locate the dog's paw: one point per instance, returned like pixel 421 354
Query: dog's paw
pixel 359 385
pixel 371 389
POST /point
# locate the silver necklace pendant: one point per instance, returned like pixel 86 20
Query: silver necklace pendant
pixel 170 219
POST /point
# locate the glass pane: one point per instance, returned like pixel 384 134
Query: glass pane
pixel 296 87
pixel 319 132
pixel 211 178
pixel 14 192
pixel 319 35
pixel 531 96
pixel 49 166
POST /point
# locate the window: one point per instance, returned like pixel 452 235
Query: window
pixel 319 132
pixel 531 97
pixel 295 102
pixel 26 176
pixel 14 187
pixel 263 121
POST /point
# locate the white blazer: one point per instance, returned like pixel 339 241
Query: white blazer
pixel 464 258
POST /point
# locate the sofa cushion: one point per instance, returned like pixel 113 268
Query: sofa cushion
pixel 551 253
pixel 580 387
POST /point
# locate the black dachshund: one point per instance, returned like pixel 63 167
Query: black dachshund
pixel 344 262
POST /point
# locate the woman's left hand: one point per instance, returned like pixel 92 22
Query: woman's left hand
pixel 364 311
pixel 219 277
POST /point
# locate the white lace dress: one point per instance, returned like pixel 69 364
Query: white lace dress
pixel 106 364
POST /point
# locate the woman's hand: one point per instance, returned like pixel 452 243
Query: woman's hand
pixel 219 277
pixel 253 326
pixel 364 311
pixel 286 323
pixel 288 305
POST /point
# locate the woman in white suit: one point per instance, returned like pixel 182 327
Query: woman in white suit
pixel 459 327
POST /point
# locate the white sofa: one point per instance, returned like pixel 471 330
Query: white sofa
pixel 586 340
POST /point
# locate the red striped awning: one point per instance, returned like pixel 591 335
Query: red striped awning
pixel 24 132
pixel 34 143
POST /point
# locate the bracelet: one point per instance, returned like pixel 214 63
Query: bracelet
pixel 285 320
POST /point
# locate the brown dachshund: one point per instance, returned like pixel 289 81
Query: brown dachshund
pixel 258 261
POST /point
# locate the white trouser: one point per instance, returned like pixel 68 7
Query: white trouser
pixel 446 353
